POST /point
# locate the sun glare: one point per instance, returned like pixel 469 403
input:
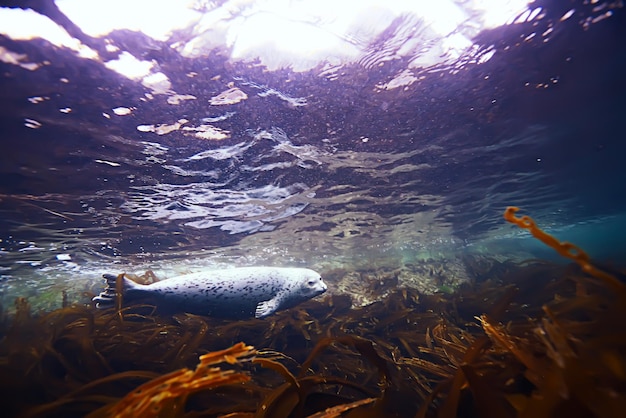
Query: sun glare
pixel 26 24
pixel 155 18
pixel 281 33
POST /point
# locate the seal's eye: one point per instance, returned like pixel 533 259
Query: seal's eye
pixel 311 282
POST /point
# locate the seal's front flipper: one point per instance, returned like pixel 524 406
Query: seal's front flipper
pixel 266 308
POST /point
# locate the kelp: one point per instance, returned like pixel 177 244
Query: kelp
pixel 526 340
pixel 167 395
pixel 566 249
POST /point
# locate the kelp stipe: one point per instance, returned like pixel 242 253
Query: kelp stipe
pixel 565 249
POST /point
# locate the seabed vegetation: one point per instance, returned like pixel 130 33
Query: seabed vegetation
pixel 528 340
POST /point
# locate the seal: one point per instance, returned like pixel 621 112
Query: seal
pixel 230 293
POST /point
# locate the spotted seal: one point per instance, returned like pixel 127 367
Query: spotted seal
pixel 231 293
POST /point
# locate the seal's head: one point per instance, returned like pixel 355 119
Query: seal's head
pixel 312 284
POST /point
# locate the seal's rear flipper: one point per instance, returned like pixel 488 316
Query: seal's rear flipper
pixel 106 299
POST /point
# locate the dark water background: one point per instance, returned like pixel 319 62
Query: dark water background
pixel 322 167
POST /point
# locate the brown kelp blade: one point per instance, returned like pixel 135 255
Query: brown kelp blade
pixel 171 390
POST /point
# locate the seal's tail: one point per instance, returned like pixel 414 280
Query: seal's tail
pixel 106 299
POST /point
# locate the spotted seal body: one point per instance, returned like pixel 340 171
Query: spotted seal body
pixel 232 293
